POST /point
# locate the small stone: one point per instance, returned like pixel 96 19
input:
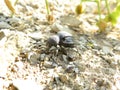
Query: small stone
pixel 4 25
pixel 59 69
pixel 117 47
pixel 14 21
pixel 36 35
pixel 106 49
pixel 42 56
pixel 117 82
pixel 70 69
pixel 70 20
pixel 63 78
pixel 33 57
pixel 2 34
pixel 2 18
pixel 48 64
pixel 100 83
pixel 64 57
pixel 46 58
pixel 12 87
pixel 56 27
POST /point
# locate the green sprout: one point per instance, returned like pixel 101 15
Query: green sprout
pixel 99 11
pixel 47 7
pixel 107 6
pixel 114 16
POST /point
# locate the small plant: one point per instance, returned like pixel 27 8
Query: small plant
pixel 49 16
pixel 102 23
pixel 110 17
pixel 114 16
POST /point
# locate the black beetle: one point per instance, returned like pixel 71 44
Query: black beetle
pixel 62 38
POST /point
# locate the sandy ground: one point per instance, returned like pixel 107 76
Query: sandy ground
pixel 27 63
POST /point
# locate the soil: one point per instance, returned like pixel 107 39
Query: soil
pixel 28 63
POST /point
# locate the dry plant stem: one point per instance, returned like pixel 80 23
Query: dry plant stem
pixel 9 5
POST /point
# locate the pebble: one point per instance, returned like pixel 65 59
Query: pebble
pixel 4 25
pixel 63 78
pixel 48 64
pixel 106 49
pixel 70 20
pixel 36 35
pixel 59 69
pixel 42 56
pixel 14 21
pixel 2 34
pixel 70 69
pixel 117 47
pixel 33 57
pixel 64 57
pixel 2 18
